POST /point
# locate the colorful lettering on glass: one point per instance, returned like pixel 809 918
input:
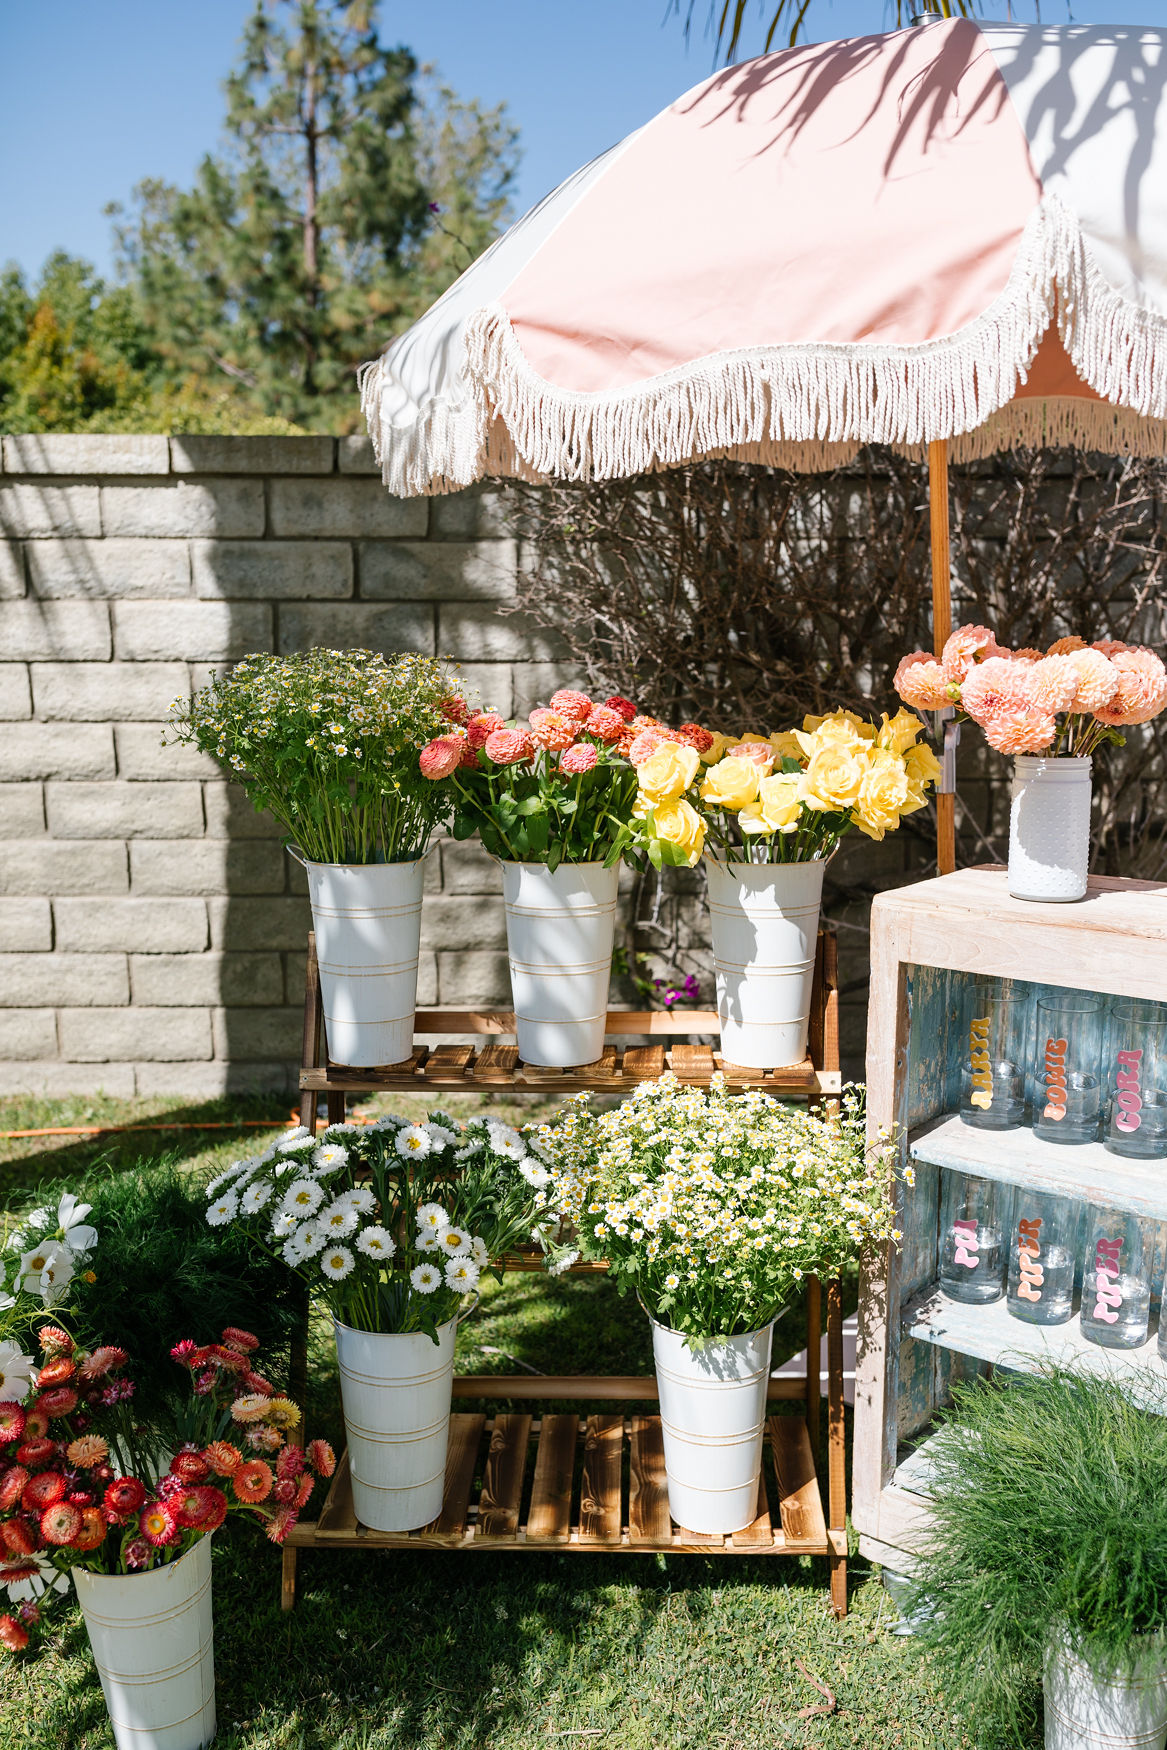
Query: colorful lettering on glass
pixel 967 1244
pixel 1055 1079
pixel 1028 1252
pixel 1106 1254
pixel 982 1075
pixel 1130 1101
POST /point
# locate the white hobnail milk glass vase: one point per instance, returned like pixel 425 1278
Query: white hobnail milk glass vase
pixel 560 928
pixel 764 919
pixel 367 918
pixel 1049 828
pixel 713 1417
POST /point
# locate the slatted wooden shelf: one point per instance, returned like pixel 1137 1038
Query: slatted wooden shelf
pixel 572 1483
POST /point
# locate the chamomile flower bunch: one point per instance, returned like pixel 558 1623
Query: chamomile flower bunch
pixel 389 1224
pixel 714 1206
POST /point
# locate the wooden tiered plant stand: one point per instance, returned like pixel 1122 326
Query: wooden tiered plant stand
pixel 534 1479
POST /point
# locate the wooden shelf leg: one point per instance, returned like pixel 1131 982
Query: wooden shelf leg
pixel 335 1099
pixel 288 1578
pixel 836 1450
pixel 814 1335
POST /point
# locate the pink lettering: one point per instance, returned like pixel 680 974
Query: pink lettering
pixel 966 1253
pixel 1128 1117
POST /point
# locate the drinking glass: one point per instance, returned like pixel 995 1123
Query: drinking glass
pixel 1116 1281
pixel 974 1219
pixel 1067 1102
pixel 1136 1079
pixel 1043 1253
pixel 993 1056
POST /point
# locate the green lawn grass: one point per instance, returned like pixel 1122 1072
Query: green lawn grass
pixel 398 1651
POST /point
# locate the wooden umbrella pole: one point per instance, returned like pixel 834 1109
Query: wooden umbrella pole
pixel 941 628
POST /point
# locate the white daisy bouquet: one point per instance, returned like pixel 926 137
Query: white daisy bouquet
pixel 714 1206
pixel 389 1224
pixel 39 1257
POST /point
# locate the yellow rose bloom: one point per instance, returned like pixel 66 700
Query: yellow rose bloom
pixel 838 724
pixel 882 794
pixel 785 745
pixel 832 780
pixel 917 798
pixel 899 732
pixel 669 770
pixel 828 734
pixel 716 748
pixel 921 764
pixel 674 823
pixel 777 809
pixel 730 784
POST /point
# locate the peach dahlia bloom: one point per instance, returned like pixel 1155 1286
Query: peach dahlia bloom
pixel 1109 646
pixel 966 647
pixel 1141 692
pixel 1097 679
pixel 1020 728
pixel 552 730
pixel 993 686
pixel 920 682
pixel 1052 683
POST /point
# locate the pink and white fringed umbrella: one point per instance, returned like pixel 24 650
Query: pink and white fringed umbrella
pixel 950 238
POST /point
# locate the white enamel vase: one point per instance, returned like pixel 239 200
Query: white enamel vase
pixel 395 1390
pixel 367 918
pixel 1088 1707
pixel 153 1645
pixel 765 920
pixel 1049 829
pixel 713 1417
pixel 560 927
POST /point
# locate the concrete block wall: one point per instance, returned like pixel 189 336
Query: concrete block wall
pixel 152 929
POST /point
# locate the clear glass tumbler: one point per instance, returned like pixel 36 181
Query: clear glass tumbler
pixel 1043 1253
pixel 1116 1281
pixel 1067 1103
pixel 1136 1079
pixel 974 1220
pixel 994 1051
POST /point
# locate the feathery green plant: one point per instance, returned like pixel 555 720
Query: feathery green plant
pixel 1049 1499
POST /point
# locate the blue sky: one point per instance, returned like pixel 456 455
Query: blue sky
pixel 97 94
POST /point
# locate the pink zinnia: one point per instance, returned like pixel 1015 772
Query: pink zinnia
pixel 1020 729
pixel 920 682
pixel 441 757
pixel 553 730
pixel 580 758
pixel 994 686
pixel 966 647
pixel 572 703
pixel 624 706
pixel 604 723
pixel 644 744
pixel 506 747
pixel 482 726
pixel 1142 688
pixel 455 709
pixel 1097 678
pixel 1052 683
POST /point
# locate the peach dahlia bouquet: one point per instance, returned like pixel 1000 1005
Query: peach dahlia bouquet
pixel 1063 702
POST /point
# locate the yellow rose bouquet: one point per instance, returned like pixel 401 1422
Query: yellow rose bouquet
pixel 785 797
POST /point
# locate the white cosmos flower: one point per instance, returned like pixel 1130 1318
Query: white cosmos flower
pixel 413 1142
pixel 479 1253
pixel 338 1220
pixel 336 1262
pixel 425 1278
pixel 375 1242
pixel 75 1232
pixel 432 1217
pixel 461 1275
pixel 454 1242
pixel 51 1271
pixel 303 1198
pixel 359 1198
pixel 15 1373
pixel 329 1158
pixel 255 1198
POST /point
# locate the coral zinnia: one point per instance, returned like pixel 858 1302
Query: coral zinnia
pixel 124 1496
pixel 11 1422
pixel 578 759
pixel 506 747
pixel 42 1490
pixel 223 1458
pixel 60 1523
pixel 253 1481
pixel 12 1635
pixel 321 1457
pixel 694 736
pixel 571 703
pixel 88 1451
pixel 440 757
pixel 552 730
pixel 482 726
pixel 156 1523
pixel 604 723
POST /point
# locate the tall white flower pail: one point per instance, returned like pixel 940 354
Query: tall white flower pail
pixel 560 925
pixel 367 918
pixel 1088 1707
pixel 765 920
pixel 1049 828
pixel 153 1645
pixel 395 1390
pixel 713 1417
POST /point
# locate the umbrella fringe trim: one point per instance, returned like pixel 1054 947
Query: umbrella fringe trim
pixel 804 406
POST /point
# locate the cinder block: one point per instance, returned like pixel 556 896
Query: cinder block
pixel 467 868
pixel 470 976
pixel 206 980
pixel 471 515
pixel 143 757
pixel 51 866
pixel 343 508
pixel 26 1033
pixel 355 456
pixel 487 686
pixel 36 631
pixel 97 692
pixel 395 626
pixel 534 683
pixel 211 866
pixel 481 634
pixel 12 581
pixel 427 981
pixel 451 922
pixel 29 511
pixel 260 923
pixel 251 455
pixel 25 925
pixel 231 509
pixel 56 750
pixel 273 570
pixel 230 815
pixel 207 1081
pixel 86 453
pixel 137 926
pixel 438 571
pixel 15 693
pixel 100 569
pixel 257 1035
pixel 22 811
pixel 197 631
pixel 35 981
pixel 54 1080
pixel 151 1035
pixel 125 811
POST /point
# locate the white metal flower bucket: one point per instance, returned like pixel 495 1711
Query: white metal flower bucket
pixel 367 918
pixel 713 1417
pixel 153 1645
pixel 395 1390
pixel 1090 1708
pixel 560 925
pixel 1049 828
pixel 765 920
